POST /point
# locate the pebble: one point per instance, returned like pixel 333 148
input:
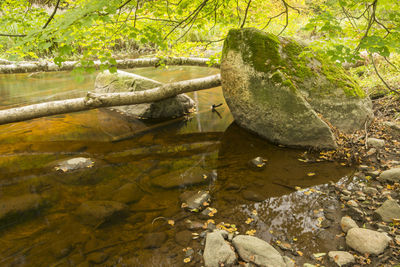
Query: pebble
pixel 370 191
pixel 392 175
pixel 183 238
pixel 367 241
pixel 266 255
pixel 341 258
pixel 389 210
pixel 154 240
pixel 252 196
pixel 217 251
pixel 371 151
pixel 352 203
pixel 195 200
pixel 375 142
pixel 347 223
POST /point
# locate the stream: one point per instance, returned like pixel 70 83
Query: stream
pixel 137 152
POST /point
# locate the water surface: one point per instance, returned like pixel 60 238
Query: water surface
pixel 133 151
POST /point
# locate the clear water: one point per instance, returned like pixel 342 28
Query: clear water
pixel 133 151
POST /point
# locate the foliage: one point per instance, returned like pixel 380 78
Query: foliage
pixel 102 30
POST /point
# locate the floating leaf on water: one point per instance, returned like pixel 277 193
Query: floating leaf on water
pixel 343 164
pixel 171 222
pixel 186 260
pixel 205 204
pixel 298 188
pixel 260 165
pixel 294 239
pixel 302 160
pixel 311 174
pixel 249 220
pixel 205 176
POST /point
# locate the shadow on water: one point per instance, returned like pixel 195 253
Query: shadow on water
pixel 129 157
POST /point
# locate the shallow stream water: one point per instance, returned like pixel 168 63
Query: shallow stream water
pixel 133 151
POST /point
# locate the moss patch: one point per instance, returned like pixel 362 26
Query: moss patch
pixel 289 63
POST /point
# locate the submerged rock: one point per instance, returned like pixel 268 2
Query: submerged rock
pixel 389 210
pixel 154 240
pixel 217 251
pixel 181 178
pixel 128 193
pixel 94 213
pixel 279 89
pixel 367 241
pixel 195 200
pixel 11 207
pixel 122 81
pixel 257 251
pixel 341 258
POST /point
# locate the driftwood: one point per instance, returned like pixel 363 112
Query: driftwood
pixel 46 66
pixel 94 100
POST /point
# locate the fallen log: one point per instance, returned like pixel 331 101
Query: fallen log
pixel 95 100
pixel 46 66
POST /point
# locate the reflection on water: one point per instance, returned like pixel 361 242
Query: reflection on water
pixel 134 153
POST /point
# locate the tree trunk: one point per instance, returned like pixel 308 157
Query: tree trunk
pixel 22 67
pixel 93 100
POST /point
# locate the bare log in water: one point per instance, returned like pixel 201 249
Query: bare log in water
pixel 94 100
pixel 45 66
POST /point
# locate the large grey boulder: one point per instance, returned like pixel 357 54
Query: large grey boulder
pixel 367 241
pixel 217 251
pixel 388 211
pixel 285 93
pixel 257 251
pixel 122 81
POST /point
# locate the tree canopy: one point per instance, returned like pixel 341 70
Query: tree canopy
pixel 95 29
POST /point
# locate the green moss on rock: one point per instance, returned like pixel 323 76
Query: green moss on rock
pixel 299 64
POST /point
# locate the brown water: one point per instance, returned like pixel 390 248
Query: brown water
pixel 137 152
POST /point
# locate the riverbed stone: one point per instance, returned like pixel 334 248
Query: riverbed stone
pixel 346 223
pixel 94 213
pixel 183 238
pixel 341 258
pixel 128 193
pixel 217 251
pixel 389 210
pixel 375 142
pixel 154 240
pixel 391 175
pixel 10 207
pixel 122 81
pixel 367 241
pixel 282 91
pixel 74 164
pixel 195 200
pixel 252 196
pixel 181 178
pixel 257 251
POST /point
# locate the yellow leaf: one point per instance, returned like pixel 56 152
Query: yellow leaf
pixel 249 220
pixel 251 232
pixel 204 176
pixel 300 253
pixel 186 260
pixel 260 165
pixel 311 174
pixel 171 222
pixel 298 188
pixel 254 212
pixel 294 239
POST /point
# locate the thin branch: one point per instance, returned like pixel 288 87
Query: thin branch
pixel 52 15
pixel 12 35
pixel 380 77
pixel 245 14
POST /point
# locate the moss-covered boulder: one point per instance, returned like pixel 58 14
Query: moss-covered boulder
pixel 122 81
pixel 286 93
